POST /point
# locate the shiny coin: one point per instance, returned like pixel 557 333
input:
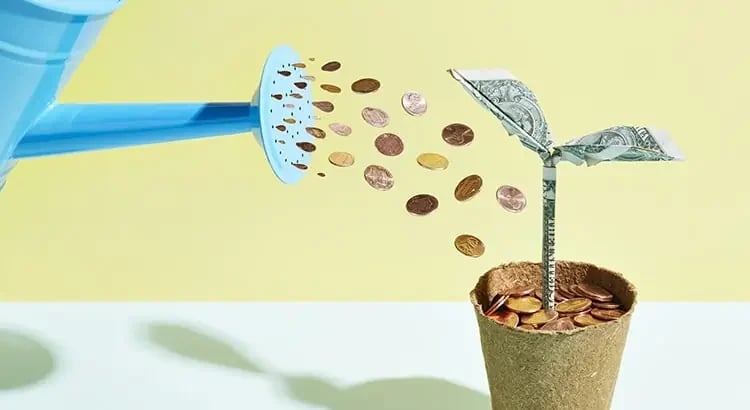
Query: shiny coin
pixel 511 198
pixel 365 85
pixel 605 305
pixel 331 66
pixel 506 318
pixel 586 320
pixel 331 88
pixel 527 327
pixel 539 317
pixel 341 159
pixel 389 144
pixel 325 106
pixel 375 117
pixel 340 129
pixel 469 245
pixel 468 187
pixel 414 103
pixel 574 314
pixel 421 204
pixel 596 293
pixel 497 302
pixel 524 304
pixel 316 132
pixel 563 323
pixel 606 314
pixel 520 291
pixel 573 305
pixel 306 146
pixel 458 134
pixel 378 177
pixel 432 161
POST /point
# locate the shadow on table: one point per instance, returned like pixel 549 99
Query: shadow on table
pixel 384 394
pixel 24 361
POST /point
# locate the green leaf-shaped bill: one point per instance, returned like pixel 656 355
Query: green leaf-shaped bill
pixel 622 143
pixel 512 102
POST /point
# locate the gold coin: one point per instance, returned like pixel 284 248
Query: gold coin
pixel 468 187
pixel 432 161
pixel 606 314
pixel 469 245
pixel 341 159
pixel 331 88
pixel 596 293
pixel 573 314
pixel 524 304
pixel 506 318
pixel 605 305
pixel 365 85
pixel 527 327
pixel 586 320
pixel 497 302
pixel 539 317
pixel 315 132
pixel 563 323
pixel 573 305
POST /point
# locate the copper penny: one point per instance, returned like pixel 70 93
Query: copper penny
pixel 316 132
pixel 520 291
pixel 281 127
pixel 321 174
pixel 524 304
pixel 497 302
pixel 469 245
pixel 539 317
pixel 527 327
pixel 432 161
pixel 564 291
pixel 299 65
pixel 389 144
pixel 458 134
pixel 594 292
pixel 340 129
pixel 331 88
pixel 468 187
pixel 285 73
pixel 379 177
pixel 375 117
pixel 511 198
pixel 586 320
pixel 331 66
pixel 414 103
pixel 300 166
pixel 574 314
pixel 341 159
pixel 563 323
pixel 506 318
pixel 607 314
pixel 306 146
pixel 325 106
pixel 605 305
pixel 301 85
pixel 421 204
pixel 573 305
pixel 365 85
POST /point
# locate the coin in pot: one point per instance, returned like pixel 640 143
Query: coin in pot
pixel 325 106
pixel 605 305
pixel 596 293
pixel 527 327
pixel 341 159
pixel 340 129
pixel 586 320
pixel 506 318
pixel 564 323
pixel 458 134
pixel 511 198
pixel 573 305
pixel 520 291
pixel 524 304
pixel 469 245
pixel 539 317
pixel 497 302
pixel 468 187
pixel 414 103
pixel 606 314
pixel 421 204
pixel 432 161
pixel 379 177
pixel 365 85
pixel 389 144
pixel 331 66
pixel 375 117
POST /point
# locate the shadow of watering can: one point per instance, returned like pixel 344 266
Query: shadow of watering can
pixel 42 42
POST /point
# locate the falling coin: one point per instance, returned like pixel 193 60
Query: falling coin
pixel 506 318
pixel 321 174
pixel 301 85
pixel 432 161
pixel 331 88
pixel 331 66
pixel 524 304
pixel 325 106
pixel 341 159
pixel 340 129
pixel 520 291
pixel 365 85
pixel 586 320
pixel 511 198
pixel 574 305
pixel 498 301
pixel 277 96
pixel 378 177
pixel 458 134
pixel 421 204
pixel 414 103
pixel 308 77
pixel 316 132
pixel 606 314
pixel 596 293
pixel 281 127
pixel 300 166
pixel 605 305
pixel 564 323
pixel 306 146
pixel 539 317
pixel 299 65
pixel 297 96
pixel 389 144
pixel 375 117
pixel 468 187
pixel 469 245
pixel 285 73
pixel 290 120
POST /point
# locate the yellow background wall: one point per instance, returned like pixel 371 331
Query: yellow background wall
pixel 207 220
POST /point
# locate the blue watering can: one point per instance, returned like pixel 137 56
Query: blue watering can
pixel 42 42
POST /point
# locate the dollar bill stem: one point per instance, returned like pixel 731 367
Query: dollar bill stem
pixel 549 182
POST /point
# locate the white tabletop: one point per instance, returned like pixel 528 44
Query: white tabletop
pixel 336 356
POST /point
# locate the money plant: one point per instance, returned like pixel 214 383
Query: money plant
pixel 517 108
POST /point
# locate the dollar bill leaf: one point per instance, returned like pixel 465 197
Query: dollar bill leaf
pixel 511 101
pixel 621 143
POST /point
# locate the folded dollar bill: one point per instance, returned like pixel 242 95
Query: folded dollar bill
pixel 622 143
